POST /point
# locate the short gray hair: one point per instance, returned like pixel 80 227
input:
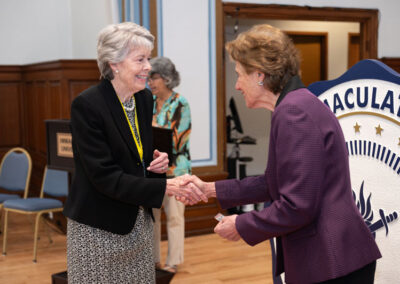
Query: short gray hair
pixel 116 41
pixel 166 69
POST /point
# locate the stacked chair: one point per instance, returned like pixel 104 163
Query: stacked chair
pixel 15 174
pixel 55 184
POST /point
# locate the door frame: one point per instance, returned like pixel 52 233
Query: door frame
pixel 368 19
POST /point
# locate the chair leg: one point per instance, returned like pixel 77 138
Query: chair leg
pixel 47 228
pixel 1 219
pixel 36 236
pixel 5 232
pixel 29 217
pixel 1 216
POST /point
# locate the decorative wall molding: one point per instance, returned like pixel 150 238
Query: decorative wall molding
pixel 392 62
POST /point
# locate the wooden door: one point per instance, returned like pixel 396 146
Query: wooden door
pixel 313 52
pixel 354 49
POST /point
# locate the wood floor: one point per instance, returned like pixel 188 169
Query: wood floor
pixel 208 258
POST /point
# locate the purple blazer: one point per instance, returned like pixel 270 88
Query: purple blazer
pixel 320 232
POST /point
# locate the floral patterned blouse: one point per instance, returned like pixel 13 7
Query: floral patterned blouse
pixel 175 115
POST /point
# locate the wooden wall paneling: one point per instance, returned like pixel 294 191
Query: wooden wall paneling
pixel 10 73
pixel 392 62
pixel 10 102
pixel 34 94
pixel 65 112
pixel 10 108
pixel 76 87
pixel 57 102
pixel 48 96
pixel 29 105
pixel 40 113
pixel 200 217
pixel 45 91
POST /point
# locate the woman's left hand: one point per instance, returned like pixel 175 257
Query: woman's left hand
pixel 226 228
pixel 159 165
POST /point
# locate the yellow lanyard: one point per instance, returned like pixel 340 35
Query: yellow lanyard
pixel 139 146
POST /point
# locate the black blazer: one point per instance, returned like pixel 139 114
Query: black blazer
pixel 109 182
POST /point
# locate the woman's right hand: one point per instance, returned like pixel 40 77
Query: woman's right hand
pixel 195 183
pixel 185 192
pixel 208 188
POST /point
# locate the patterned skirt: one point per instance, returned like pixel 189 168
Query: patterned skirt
pixel 98 256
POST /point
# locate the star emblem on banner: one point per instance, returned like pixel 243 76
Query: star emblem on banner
pixel 357 128
pixel 379 130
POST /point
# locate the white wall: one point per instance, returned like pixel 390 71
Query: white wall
pixel 46 30
pixel 186 42
pixel 88 17
pixel 43 30
pixel 34 31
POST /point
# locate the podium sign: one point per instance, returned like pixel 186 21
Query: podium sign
pixel 64 145
pixel 59 145
pixel 366 101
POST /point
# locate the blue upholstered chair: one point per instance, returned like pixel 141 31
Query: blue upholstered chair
pixel 55 184
pixel 15 174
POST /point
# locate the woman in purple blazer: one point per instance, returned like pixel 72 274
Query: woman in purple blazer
pixel 321 236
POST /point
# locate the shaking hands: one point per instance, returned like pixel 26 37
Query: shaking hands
pixel 187 189
pixel 190 189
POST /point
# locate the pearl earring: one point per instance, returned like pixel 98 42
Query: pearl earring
pixel 260 83
pixel 116 71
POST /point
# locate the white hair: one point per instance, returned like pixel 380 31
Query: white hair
pixel 116 41
pixel 166 69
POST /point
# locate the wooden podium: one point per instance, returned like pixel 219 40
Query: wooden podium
pixel 59 145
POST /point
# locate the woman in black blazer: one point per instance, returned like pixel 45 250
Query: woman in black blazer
pixel 118 177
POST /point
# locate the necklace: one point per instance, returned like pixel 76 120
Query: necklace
pixel 126 105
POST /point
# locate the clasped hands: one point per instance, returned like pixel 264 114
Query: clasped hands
pixel 191 190
pixel 188 189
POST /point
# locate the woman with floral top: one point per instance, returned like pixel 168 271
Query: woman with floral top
pixel 171 111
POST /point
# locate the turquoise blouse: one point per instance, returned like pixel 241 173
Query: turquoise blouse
pixel 175 115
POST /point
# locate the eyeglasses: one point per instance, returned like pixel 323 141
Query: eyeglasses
pixel 153 78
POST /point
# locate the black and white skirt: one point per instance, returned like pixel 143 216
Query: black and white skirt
pixel 98 256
